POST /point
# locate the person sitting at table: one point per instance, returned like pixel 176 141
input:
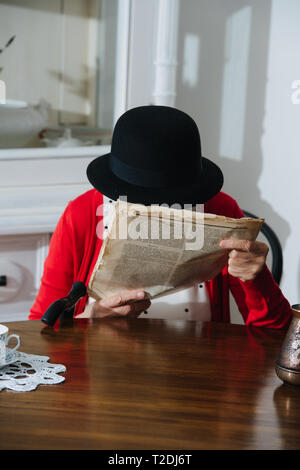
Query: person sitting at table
pixel 156 158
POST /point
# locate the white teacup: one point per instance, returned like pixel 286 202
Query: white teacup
pixel 4 340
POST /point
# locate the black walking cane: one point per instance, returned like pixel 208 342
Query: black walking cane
pixel 64 308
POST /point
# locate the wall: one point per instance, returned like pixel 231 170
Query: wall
pixel 237 61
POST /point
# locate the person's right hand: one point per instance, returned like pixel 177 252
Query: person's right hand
pixel 126 304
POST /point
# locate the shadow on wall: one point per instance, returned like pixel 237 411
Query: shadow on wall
pixel 221 82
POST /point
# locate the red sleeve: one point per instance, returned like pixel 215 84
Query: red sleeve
pixel 58 271
pixel 260 301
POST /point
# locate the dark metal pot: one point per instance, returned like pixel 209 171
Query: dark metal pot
pixel 288 363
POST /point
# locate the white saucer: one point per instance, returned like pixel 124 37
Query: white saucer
pixel 11 358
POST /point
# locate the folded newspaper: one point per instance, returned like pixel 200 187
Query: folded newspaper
pixel 161 249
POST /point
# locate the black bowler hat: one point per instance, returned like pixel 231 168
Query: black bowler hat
pixel 156 158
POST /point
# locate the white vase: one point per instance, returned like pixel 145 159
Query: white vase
pixel 20 123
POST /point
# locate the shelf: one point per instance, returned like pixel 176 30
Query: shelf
pixel 42 153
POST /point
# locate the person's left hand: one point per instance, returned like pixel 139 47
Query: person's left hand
pixel 246 259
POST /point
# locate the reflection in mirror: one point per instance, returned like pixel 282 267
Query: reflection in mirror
pixel 59 72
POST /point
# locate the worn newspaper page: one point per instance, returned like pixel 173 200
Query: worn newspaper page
pixel 161 250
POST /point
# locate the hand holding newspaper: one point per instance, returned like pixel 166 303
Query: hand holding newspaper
pixel 160 249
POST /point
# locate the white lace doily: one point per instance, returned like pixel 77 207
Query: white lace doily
pixel 30 371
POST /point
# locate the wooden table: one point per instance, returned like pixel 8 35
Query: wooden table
pixel 153 384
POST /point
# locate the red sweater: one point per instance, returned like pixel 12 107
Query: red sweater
pixel 74 249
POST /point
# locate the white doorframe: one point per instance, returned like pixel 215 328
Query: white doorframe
pixel 164 92
pixel 122 57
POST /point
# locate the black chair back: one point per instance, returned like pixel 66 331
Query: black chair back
pixel 275 246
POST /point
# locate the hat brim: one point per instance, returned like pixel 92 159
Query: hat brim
pixel 209 183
